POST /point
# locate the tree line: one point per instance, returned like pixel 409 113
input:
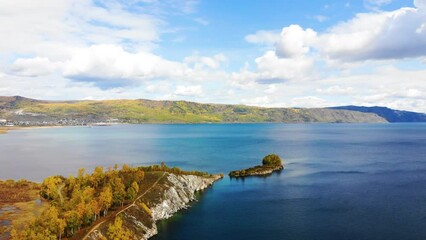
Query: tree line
pixel 76 202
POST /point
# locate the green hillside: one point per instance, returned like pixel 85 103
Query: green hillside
pixel 147 111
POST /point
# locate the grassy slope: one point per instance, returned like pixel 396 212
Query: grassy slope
pixel 141 111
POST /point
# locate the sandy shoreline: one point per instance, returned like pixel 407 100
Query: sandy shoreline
pixel 4 130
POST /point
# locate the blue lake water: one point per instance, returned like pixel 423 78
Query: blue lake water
pixel 341 181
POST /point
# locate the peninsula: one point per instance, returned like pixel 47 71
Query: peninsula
pixel 107 204
pixel 270 164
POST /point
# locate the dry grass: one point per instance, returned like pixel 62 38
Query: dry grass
pixel 18 191
pixel 18 203
pixel 19 213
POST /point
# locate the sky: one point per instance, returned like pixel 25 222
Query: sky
pixel 270 53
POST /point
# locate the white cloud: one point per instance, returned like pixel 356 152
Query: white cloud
pixel 383 35
pixel 421 29
pixel 353 62
pixel 196 61
pixel 377 2
pixel 336 90
pixel 272 69
pixel 111 62
pixel 412 93
pixel 75 49
pixel 33 67
pixel 54 28
pixel 368 36
pixel 263 37
pixel 271 89
pixel 101 43
pixel 289 61
pixel 159 87
pixel 295 41
pixel 309 102
pixel 421 4
pixel 261 101
pixel 193 91
pixel 387 86
pixel 320 18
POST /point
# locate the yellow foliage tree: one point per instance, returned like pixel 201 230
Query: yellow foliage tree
pixel 116 231
pixel 132 191
pixel 105 199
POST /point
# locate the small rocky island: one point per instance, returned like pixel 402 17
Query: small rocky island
pixel 270 164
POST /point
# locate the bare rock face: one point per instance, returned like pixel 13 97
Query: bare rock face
pixel 181 191
pixel 169 196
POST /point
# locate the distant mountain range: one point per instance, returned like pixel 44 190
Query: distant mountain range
pixel 25 111
pixel 390 115
pixel 18 110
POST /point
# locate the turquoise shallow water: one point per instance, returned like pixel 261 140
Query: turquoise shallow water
pixel 342 181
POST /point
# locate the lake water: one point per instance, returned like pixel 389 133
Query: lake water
pixel 341 181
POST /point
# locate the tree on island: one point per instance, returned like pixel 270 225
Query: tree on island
pixel 272 160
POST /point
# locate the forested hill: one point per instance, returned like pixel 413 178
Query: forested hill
pixel 25 111
pixel 390 115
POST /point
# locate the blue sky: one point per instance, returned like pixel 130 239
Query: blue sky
pixel 264 53
pixel 227 24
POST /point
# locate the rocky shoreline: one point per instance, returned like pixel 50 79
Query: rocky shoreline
pixel 270 164
pixel 172 194
pixel 258 171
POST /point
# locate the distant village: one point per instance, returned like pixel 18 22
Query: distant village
pixel 58 122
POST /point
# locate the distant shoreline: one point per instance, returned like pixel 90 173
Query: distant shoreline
pixel 5 130
pixel 25 111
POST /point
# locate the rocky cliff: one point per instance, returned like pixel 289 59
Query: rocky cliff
pixel 171 194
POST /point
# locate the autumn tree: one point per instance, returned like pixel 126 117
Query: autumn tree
pixel 132 191
pixel 50 188
pixel 73 221
pixel 50 220
pixel 82 176
pixel 95 208
pixel 97 176
pixel 116 231
pixel 105 199
pixel 126 168
pixel 31 233
pixel 118 191
pixel 48 226
pixel 78 201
